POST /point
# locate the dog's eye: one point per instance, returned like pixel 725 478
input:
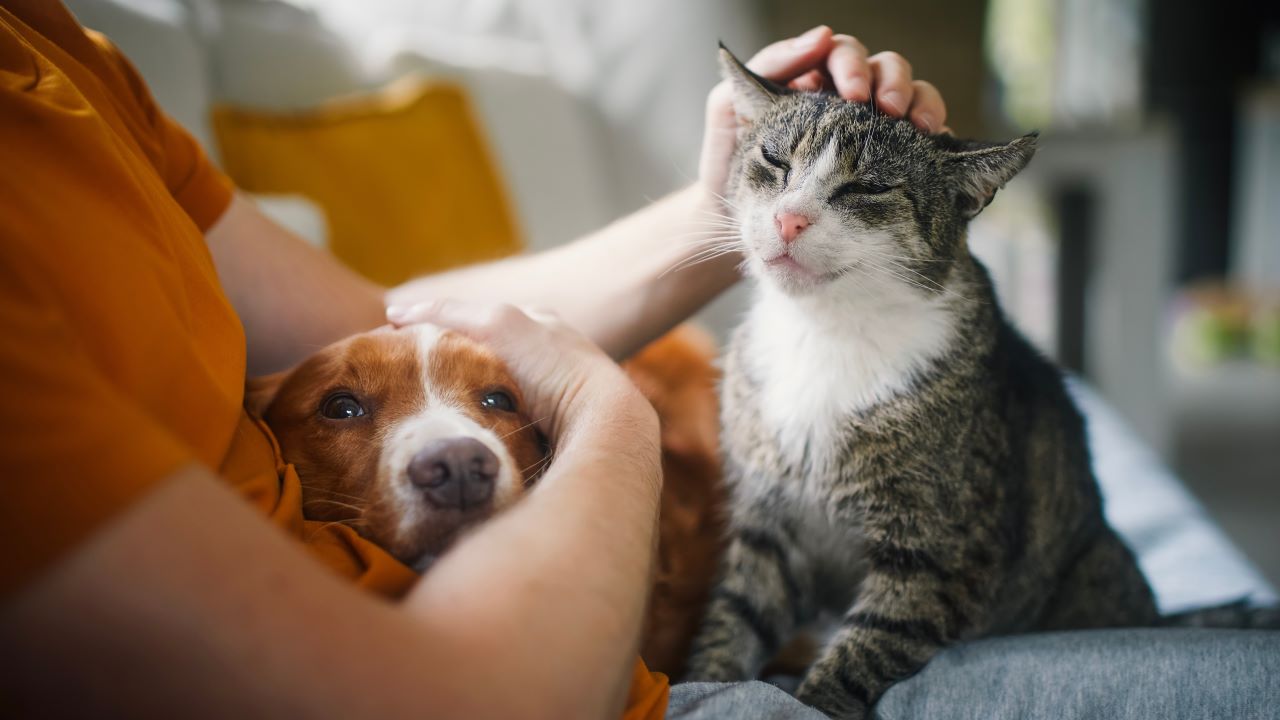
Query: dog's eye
pixel 341 406
pixel 498 400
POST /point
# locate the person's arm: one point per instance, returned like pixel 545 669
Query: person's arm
pixel 292 298
pixel 623 286
pixel 618 285
pixel 189 604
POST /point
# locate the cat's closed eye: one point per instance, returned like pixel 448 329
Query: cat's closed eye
pixel 861 187
pixel 777 162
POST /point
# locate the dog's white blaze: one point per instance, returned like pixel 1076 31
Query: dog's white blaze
pixel 438 418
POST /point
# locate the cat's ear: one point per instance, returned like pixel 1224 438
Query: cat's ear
pixel 752 94
pixel 980 169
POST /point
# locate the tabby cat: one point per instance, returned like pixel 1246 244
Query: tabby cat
pixel 897 452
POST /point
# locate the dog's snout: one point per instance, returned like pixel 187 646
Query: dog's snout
pixel 455 473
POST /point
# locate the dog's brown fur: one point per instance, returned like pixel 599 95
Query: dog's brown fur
pixel 676 373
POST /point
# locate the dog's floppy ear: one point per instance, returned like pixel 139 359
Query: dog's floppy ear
pixel 259 392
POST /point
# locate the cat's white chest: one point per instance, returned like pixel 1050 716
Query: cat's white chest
pixel 821 363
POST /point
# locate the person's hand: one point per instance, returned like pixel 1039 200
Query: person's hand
pixel 820 60
pixel 569 383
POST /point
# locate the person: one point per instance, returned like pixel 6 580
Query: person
pixel 157 561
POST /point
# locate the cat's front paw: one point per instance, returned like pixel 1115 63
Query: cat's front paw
pixel 831 698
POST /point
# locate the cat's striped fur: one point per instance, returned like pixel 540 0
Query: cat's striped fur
pixel 897 452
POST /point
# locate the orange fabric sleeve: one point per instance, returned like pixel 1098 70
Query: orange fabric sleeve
pixel 649 693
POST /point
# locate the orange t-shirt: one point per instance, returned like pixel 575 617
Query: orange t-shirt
pixel 122 359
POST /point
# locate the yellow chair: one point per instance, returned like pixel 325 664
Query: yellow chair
pixel 403 175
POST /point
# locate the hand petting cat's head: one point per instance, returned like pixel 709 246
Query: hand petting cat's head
pixel 830 193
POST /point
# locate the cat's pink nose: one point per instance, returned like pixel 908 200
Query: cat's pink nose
pixel 790 225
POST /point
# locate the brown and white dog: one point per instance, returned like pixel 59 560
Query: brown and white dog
pixel 412 436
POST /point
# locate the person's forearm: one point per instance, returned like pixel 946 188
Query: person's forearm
pixel 574 557
pixel 617 285
pixel 291 298
pixel 224 616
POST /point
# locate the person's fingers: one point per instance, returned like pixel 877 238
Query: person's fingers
pixel 927 112
pixel 477 320
pixel 849 68
pixel 891 82
pixel 401 315
pixel 812 81
pixel 543 315
pixel 786 59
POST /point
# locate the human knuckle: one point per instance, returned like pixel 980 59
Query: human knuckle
pixel 927 91
pixel 763 59
pixel 504 314
pixel 851 41
pixel 893 58
pixel 545 316
pixel 929 99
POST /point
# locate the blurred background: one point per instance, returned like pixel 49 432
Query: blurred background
pixel 1141 248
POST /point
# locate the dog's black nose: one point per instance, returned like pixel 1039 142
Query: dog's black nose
pixel 455 473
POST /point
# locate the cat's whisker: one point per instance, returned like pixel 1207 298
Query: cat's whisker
pixel 728 203
pixel 713 222
pixel 935 288
pixel 704 255
pixel 715 228
pixel 706 235
pixel 695 248
pixel 715 248
pixel 713 240
pixel 723 216
pixel 867 262
pixel 703 243
pixel 940 287
pixel 904 279
pixel 917 273
pixel 716 214
pixel 904 258
pixel 701 257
